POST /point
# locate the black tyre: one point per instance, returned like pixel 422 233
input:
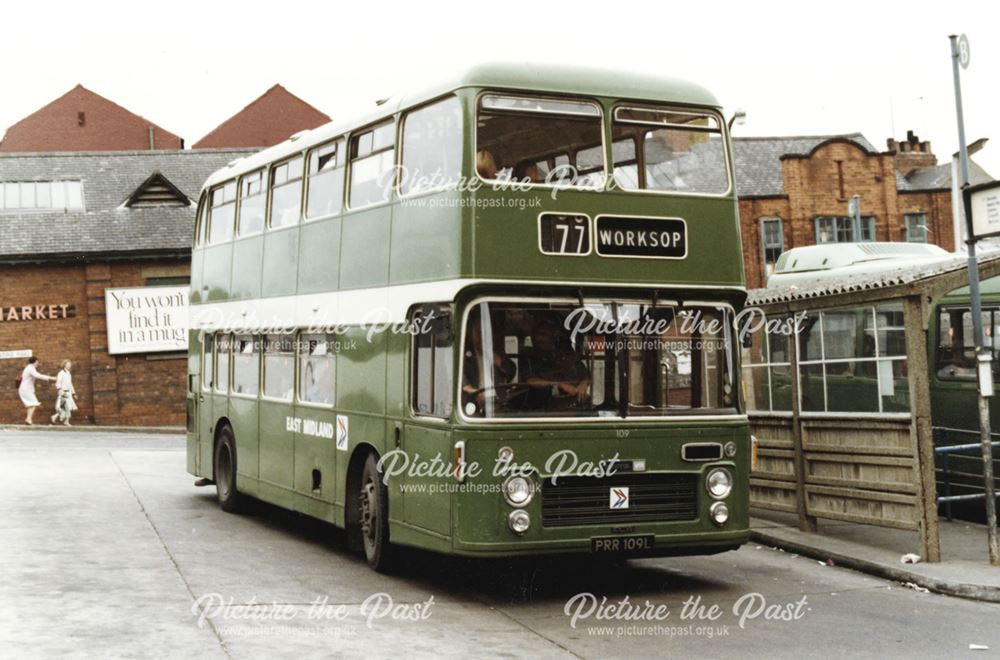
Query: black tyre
pixel 225 472
pixel 373 505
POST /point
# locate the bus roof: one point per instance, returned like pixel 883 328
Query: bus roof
pixel 816 263
pixel 522 76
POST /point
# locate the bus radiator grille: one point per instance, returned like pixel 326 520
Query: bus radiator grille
pixel 652 498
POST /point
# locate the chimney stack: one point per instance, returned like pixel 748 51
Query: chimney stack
pixel 911 153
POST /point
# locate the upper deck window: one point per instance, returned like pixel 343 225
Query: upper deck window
pixel 286 193
pixel 432 147
pixel 669 150
pixel 252 200
pixel 373 154
pixel 326 180
pixel 222 213
pixel 536 140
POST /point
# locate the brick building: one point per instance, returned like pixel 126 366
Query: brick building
pixel 794 191
pixel 74 225
pixel 272 118
pixel 81 120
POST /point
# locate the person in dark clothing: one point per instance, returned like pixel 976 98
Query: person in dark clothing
pixel 473 380
pixel 553 370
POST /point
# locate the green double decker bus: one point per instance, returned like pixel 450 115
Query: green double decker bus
pixel 494 318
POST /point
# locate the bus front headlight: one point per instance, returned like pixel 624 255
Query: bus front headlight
pixel 518 491
pixel 519 521
pixel 720 513
pixel 719 483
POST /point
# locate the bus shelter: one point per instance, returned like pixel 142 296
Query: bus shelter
pixel 836 379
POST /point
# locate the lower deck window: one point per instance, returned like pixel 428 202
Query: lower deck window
pixel 279 366
pixel 246 366
pixel 433 375
pixel 317 368
pixel 222 350
pixel 596 359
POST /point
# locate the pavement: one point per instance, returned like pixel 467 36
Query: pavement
pixel 108 550
pixel 964 571
pixel 44 426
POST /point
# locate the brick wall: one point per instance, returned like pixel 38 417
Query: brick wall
pixel 81 120
pixel 124 389
pixel 822 184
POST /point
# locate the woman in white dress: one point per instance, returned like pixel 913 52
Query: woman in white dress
pixel 26 390
pixel 65 405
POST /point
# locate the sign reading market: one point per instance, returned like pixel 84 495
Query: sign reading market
pixel 147 319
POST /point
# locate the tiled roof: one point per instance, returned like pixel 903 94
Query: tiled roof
pixel 758 160
pixel 81 120
pixel 105 225
pixel 938 177
pixel 270 119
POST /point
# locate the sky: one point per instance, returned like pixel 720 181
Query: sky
pixel 795 68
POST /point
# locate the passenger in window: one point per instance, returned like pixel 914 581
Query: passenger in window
pixel 474 383
pixel 557 377
pixel 527 172
pixel 485 164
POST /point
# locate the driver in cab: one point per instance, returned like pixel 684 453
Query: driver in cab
pixel 552 369
pixel 473 383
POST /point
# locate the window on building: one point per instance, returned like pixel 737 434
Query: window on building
pixel 843 229
pixel 767 379
pixel 772 241
pixel 279 367
pixel 286 193
pixel 246 365
pixel 326 180
pixel 252 199
pixel 373 154
pixel 432 147
pixel 956 350
pixel 916 227
pixel 433 373
pixel 222 214
pixel 222 349
pixel 41 195
pixel 317 368
pixel 854 360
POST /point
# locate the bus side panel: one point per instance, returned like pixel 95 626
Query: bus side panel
pixel 420 230
pixel 276 445
pixel 193 403
pixel 247 255
pixel 243 416
pixel 361 374
pixel 197 275
pixel 424 505
pixel 364 253
pixel 315 458
pixel 217 272
pixel 280 253
pixel 319 256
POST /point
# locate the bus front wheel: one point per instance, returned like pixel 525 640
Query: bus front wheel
pixel 373 505
pixel 225 472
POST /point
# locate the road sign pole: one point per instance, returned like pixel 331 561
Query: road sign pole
pixel 960 55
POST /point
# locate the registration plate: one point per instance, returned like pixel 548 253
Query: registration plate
pixel 622 543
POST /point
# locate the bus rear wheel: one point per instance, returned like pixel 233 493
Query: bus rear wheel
pixel 373 515
pixel 225 472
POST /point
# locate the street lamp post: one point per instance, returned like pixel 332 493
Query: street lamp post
pixel 960 55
